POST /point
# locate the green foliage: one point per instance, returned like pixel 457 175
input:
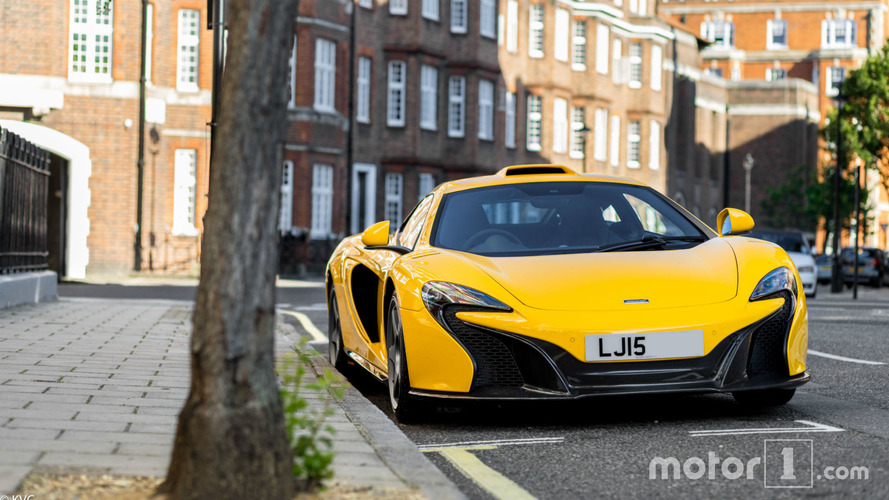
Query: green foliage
pixel 310 435
pixel 794 204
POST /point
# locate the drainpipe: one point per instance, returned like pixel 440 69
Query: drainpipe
pixel 350 134
pixel 140 164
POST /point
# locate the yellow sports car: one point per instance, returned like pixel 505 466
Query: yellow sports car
pixel 539 282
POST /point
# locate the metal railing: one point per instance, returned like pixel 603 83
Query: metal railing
pixel 24 191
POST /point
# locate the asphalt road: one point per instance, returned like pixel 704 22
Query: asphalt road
pixel 831 440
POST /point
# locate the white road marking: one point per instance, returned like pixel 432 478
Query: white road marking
pixel 841 358
pixel 307 324
pixel 811 427
pixel 497 442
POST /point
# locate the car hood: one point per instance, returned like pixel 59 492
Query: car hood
pixel 696 276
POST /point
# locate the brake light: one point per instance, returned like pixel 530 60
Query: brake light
pixel 876 263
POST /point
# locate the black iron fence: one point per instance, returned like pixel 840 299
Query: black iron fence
pixel 24 191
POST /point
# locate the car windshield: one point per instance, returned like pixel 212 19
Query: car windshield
pixel 561 217
pixel 790 242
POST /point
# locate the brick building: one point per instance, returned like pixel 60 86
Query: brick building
pixel 69 82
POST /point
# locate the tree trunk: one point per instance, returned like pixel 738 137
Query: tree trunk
pixel 231 440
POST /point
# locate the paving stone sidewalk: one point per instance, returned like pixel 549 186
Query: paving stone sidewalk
pixel 97 385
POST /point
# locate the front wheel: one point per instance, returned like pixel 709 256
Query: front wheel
pixel 763 398
pixel 335 351
pixel 405 408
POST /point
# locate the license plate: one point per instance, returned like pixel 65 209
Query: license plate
pixel 660 345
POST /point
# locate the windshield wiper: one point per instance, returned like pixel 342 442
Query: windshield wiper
pixel 648 241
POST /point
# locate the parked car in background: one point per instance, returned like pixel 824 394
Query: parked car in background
pixel 797 247
pixel 824 265
pixel 873 267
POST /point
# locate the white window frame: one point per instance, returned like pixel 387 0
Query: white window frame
pixel 578 54
pixel 721 33
pixel 654 145
pixel 615 140
pixel 425 184
pixel 635 61
pixel 370 195
pixel 619 70
pixel 560 125
pixel 398 7
pixel 829 29
pixel 362 104
pixel 185 181
pixel 428 97
pixel 603 45
pixel 457 106
pixel 600 129
pixel 831 83
pixel 510 125
pixel 459 16
pixel 486 110
pixel 188 50
pixel 395 99
pixel 577 146
pixel 431 10
pixel 322 201
pixel 775 74
pixel 325 75
pixel 367 4
pixel 394 197
pixel 487 22
pixel 512 26
pixel 773 27
pixel 285 217
pixel 291 66
pixel 534 114
pixel 90 36
pixel 657 67
pixel 562 35
pixel 536 16
pixel 634 143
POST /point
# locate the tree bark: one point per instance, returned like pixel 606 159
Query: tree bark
pixel 231 440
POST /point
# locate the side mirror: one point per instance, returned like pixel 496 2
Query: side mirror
pixel 376 235
pixel 733 221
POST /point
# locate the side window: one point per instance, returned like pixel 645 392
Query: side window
pixel 413 225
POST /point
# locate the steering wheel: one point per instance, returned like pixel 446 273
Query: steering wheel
pixel 485 234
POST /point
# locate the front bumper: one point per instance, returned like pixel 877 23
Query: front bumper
pixel 510 366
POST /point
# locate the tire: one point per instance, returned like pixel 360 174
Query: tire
pixel 336 354
pixel 764 398
pixel 406 409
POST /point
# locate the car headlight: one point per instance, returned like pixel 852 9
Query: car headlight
pixel 807 269
pixel 775 281
pixel 438 294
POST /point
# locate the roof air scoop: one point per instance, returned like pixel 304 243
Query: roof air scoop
pixel 535 170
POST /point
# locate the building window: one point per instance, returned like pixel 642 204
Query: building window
pixel 535 31
pixel 635 65
pixel 619 70
pixel 512 26
pixel 393 198
pixel 714 72
pixel 430 9
pixel 657 66
pixel 777 34
pixel 488 19
pixel 398 7
pixel 90 43
pixel 509 129
pixel 834 80
pixel 325 75
pixel 578 134
pixel 458 16
pixel 633 139
pixel 291 67
pixel 486 110
pixel 773 74
pixel 285 218
pixel 578 55
pixel 602 44
pixel 322 201
pixel 721 33
pixel 188 50
pixel 456 106
pixel 395 102
pixel 838 33
pixel 184 187
pixel 615 141
pixel 560 125
pixel 600 128
pixel 428 97
pixel 654 145
pixel 367 4
pixel 427 183
pixel 562 35
pixel 535 117
pixel 362 108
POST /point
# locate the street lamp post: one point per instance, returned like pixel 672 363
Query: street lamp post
pixel 857 225
pixel 836 275
pixel 585 131
pixel 748 168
